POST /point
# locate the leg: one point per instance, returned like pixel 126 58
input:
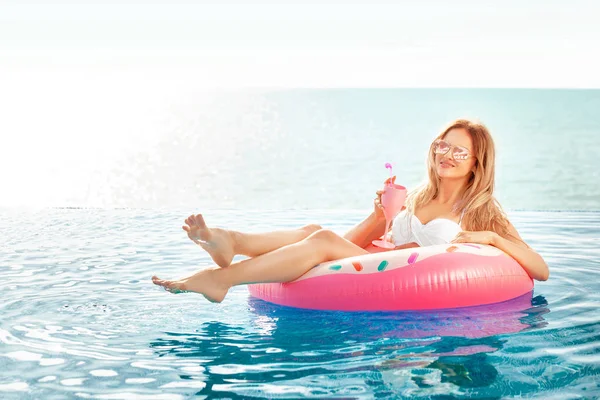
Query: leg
pixel 223 245
pixel 256 244
pixel 282 265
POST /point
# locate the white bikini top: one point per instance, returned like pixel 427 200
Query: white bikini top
pixel 437 231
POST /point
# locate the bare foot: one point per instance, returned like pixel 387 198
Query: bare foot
pixel 202 282
pixel 218 243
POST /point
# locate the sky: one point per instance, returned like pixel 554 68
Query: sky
pixel 79 80
pixel 281 44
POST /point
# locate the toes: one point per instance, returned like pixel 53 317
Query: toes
pixel 160 282
pixel 200 221
pixel 169 286
pixel 157 281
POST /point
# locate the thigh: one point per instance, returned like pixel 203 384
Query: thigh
pixel 335 247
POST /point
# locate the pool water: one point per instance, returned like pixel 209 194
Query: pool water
pixel 81 319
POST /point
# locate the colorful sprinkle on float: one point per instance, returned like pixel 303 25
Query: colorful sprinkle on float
pixel 434 277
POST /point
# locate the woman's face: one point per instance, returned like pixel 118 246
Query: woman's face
pixel 454 155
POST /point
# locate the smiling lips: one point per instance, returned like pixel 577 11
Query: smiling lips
pixel 446 164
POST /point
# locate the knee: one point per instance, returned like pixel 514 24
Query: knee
pixel 323 236
pixel 311 228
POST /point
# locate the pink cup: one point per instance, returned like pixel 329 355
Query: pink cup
pixel 392 200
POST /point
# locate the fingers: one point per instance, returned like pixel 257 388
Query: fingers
pixel 390 180
pixel 378 203
pixel 379 193
pixel 457 238
pixel 462 237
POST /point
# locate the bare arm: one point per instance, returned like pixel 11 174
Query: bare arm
pixel 514 246
pixel 365 232
pixel 530 260
pixel 407 246
pixel 373 226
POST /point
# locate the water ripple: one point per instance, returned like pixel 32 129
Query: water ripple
pixel 82 319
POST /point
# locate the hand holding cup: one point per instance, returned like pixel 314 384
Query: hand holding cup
pixel 389 202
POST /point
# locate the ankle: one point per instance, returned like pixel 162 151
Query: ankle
pixel 222 277
pixel 236 239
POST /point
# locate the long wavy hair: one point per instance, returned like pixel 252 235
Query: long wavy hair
pixel 482 212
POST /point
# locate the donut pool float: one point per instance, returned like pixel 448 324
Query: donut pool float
pixel 421 278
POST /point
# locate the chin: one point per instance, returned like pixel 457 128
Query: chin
pixel 449 173
pixel 445 172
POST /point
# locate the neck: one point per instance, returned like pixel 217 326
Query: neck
pixel 451 191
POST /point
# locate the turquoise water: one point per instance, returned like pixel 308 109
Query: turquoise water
pixel 81 319
pixel 300 149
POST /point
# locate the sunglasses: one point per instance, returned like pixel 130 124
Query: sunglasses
pixel 459 153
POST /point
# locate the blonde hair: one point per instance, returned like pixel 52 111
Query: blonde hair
pixel 482 212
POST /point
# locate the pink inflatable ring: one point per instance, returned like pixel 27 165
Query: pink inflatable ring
pixel 422 278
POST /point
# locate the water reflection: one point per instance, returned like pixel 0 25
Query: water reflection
pixel 521 313
pixel 289 352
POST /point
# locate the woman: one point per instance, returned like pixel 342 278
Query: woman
pixel 458 195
